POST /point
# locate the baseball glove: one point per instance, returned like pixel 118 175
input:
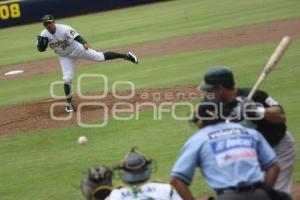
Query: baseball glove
pixel 42 43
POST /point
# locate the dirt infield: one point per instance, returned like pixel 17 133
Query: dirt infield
pixel 37 115
pixel 227 38
pixel 296 191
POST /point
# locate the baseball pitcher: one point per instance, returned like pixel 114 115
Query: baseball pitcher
pixel 69 46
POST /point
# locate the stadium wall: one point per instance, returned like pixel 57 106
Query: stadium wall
pixel 19 12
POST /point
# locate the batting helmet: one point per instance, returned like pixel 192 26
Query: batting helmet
pixel 219 75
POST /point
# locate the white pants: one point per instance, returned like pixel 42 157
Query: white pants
pixel 286 154
pixel 67 63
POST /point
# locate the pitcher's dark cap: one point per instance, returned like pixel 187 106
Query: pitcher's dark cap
pixel 48 18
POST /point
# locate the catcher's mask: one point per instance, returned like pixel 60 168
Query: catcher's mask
pixel 101 176
pixel 135 167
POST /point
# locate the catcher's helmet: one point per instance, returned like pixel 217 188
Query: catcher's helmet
pixel 97 183
pixel 100 173
pixel 135 168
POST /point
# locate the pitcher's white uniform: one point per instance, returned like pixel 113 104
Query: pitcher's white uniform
pixel 148 191
pixel 68 50
pixel 69 46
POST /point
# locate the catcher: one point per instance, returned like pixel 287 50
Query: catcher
pixel 135 171
pixel 70 46
pixel 97 183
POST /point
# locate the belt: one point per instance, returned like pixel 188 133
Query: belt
pixel 241 188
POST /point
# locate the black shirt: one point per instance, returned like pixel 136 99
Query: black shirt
pixel 273 132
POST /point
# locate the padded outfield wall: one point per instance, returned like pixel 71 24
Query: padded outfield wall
pixel 18 12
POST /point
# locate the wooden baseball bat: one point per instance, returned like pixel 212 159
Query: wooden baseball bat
pixel 274 59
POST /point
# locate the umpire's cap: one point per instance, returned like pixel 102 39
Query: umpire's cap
pixel 212 111
pixel 135 168
pixel 48 18
pixel 219 75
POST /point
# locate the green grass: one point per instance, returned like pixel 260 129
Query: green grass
pixel 149 22
pixel 179 69
pixel 48 164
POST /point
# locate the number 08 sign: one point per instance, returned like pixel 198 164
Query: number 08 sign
pixel 9 10
pixel 20 12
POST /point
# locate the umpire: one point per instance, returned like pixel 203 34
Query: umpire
pixel 230 156
pixel 267 116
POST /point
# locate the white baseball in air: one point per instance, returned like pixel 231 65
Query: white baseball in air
pixel 82 140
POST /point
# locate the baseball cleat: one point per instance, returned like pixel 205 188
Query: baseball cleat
pixel 69 108
pixel 131 57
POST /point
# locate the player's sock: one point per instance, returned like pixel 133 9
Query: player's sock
pixel 113 55
pixel 68 92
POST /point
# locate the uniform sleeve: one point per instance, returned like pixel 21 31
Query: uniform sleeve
pixel 266 155
pixel 71 33
pixel 263 98
pixel 259 97
pixel 186 162
pixel 43 33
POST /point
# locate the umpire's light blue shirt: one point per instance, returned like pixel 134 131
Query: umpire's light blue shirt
pixel 228 155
